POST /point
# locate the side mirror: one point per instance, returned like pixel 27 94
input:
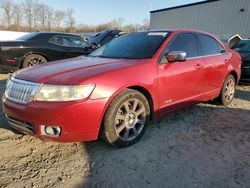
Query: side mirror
pixel 94 45
pixel 176 56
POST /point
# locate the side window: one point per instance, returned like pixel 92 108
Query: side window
pixel 209 46
pixel 58 40
pixel 69 41
pixel 184 42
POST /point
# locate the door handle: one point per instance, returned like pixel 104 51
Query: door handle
pixel 198 66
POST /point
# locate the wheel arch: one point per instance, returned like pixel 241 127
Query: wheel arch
pixel 148 96
pixel 142 90
pixel 235 75
pixel 33 53
pixel 138 88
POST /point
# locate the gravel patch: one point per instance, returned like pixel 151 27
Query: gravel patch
pixel 202 146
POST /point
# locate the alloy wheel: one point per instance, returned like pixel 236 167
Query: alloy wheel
pixel 229 90
pixel 35 61
pixel 130 119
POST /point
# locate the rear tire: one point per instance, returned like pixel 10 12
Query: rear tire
pixel 33 59
pixel 227 91
pixel 126 119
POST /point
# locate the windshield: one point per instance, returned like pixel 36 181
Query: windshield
pixel 242 46
pixel 132 46
pixel 28 36
pixel 98 37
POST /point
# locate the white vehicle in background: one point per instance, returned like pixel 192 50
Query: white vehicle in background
pixel 11 35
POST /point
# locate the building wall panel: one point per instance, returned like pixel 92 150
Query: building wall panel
pixel 223 17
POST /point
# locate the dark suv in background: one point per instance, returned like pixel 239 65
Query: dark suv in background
pixel 104 37
pixel 243 48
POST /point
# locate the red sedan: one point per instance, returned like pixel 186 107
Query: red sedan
pixel 120 87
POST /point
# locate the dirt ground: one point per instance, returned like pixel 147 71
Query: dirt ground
pixel 202 146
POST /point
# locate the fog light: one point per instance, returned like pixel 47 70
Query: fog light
pixel 52 131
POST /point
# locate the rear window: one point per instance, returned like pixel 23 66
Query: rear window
pixel 28 36
pixel 242 46
pixel 58 40
pixel 209 45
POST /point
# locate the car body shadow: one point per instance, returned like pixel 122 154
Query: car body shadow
pixel 202 146
pixel 243 95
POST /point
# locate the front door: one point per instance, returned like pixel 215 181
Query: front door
pixel 181 83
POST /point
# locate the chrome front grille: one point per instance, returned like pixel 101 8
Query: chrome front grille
pixel 20 91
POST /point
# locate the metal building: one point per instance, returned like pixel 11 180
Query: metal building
pixel 220 17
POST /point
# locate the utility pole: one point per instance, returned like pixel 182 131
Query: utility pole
pixel 151 5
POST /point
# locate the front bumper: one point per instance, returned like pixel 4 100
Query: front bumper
pixel 79 121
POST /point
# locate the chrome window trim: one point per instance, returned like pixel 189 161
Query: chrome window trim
pixel 211 55
pixel 196 57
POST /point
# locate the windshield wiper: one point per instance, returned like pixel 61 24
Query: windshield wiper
pixel 101 56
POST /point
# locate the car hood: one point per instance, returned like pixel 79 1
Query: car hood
pixel 72 71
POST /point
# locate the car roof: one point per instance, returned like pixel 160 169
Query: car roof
pixel 47 35
pixel 58 33
pixel 180 30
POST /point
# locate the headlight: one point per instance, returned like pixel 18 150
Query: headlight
pixel 49 92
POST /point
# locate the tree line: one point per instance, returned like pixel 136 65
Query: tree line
pixel 32 15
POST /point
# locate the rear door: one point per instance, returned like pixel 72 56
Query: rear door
pixel 181 83
pixel 215 64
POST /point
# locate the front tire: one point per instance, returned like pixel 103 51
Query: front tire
pixel 126 119
pixel 228 91
pixel 33 59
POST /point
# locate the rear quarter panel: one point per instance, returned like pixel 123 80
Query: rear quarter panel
pixel 235 63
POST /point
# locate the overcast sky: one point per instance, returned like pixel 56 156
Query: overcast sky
pixel 100 11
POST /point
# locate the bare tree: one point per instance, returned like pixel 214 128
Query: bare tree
pixel 41 15
pixel 70 20
pixel 28 12
pixel 38 17
pixel 145 25
pixel 17 16
pixel 117 23
pixel 7 7
pixel 59 16
pixel 30 15
pixel 50 18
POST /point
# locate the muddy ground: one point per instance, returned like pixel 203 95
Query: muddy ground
pixel 202 146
